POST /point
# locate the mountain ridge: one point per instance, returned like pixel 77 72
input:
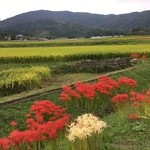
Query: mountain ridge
pixel 50 21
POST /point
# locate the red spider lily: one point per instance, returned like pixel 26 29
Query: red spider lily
pixel 40 108
pixel 134 104
pixel 60 123
pixel 13 123
pixel 133 93
pixel 67 93
pixel 28 115
pixel 127 82
pixel 64 97
pixel 27 136
pixel 46 110
pixel 31 124
pixel 138 97
pixel 39 128
pixel 105 85
pixel 120 98
pixel 53 134
pixel 50 128
pixel 148 93
pixel 85 90
pixel 5 143
pixel 148 101
pixel 133 116
pixel 141 102
pixel 144 57
pixel 16 137
pixel 56 117
pixel 107 80
pixel 103 88
pixel 134 56
pixel 66 88
pixel 74 94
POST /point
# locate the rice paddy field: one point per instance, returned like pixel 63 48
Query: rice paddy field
pixel 69 53
pixel 117 105
pixel 72 50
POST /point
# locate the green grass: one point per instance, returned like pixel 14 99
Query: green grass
pixel 123 134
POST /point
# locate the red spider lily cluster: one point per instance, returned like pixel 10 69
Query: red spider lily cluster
pixel 92 95
pixel 137 97
pixel 128 82
pixel 104 85
pixel 47 120
pixel 144 57
pixel 13 123
pixel 133 116
pixel 43 124
pixel 139 101
pixel 85 90
pixel 134 56
pixel 120 98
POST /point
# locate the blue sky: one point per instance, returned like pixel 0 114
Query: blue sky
pixel 9 8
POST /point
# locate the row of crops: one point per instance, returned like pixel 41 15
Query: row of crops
pixel 73 53
pixel 20 79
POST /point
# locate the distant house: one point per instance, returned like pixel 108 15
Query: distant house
pixel 7 38
pixel 20 37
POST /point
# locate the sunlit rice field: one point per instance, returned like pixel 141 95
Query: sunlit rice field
pixel 69 50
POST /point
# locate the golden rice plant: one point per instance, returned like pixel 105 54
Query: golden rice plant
pixel 69 53
pixel 21 79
